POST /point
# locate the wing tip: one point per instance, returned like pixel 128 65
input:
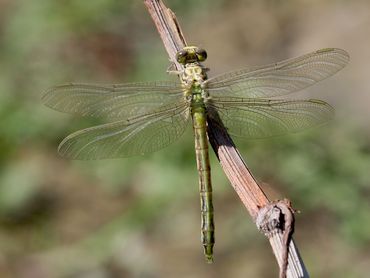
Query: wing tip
pixel 343 53
pixel 329 109
pixel 65 153
pixel 50 93
pixel 46 95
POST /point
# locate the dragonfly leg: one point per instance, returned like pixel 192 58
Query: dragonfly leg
pixel 172 69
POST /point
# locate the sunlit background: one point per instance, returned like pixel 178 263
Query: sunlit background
pixel 140 217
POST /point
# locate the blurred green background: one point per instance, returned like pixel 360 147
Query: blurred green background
pixel 139 217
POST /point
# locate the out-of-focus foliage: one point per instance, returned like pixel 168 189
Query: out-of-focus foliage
pixel 139 217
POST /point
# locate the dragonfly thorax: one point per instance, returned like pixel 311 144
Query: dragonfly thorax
pixel 194 73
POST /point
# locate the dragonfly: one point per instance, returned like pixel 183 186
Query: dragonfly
pixel 147 116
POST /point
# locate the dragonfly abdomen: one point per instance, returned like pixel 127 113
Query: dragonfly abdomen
pixel 205 186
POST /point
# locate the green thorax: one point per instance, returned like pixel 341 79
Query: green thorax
pixel 193 77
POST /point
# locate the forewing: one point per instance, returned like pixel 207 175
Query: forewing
pixel 260 118
pixel 281 78
pixel 141 135
pixel 120 101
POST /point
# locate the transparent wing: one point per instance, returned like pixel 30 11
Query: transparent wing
pixel 259 118
pixel 141 135
pixel 120 101
pixel 281 78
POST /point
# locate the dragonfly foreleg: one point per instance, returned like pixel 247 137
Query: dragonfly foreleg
pixel 172 69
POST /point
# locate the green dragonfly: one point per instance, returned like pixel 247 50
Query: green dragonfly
pixel 145 117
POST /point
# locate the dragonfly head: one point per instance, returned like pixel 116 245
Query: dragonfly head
pixel 191 54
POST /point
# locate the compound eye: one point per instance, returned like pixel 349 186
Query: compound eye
pixel 181 56
pixel 201 54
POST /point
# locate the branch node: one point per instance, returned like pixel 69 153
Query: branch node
pixel 278 218
pixel 272 217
